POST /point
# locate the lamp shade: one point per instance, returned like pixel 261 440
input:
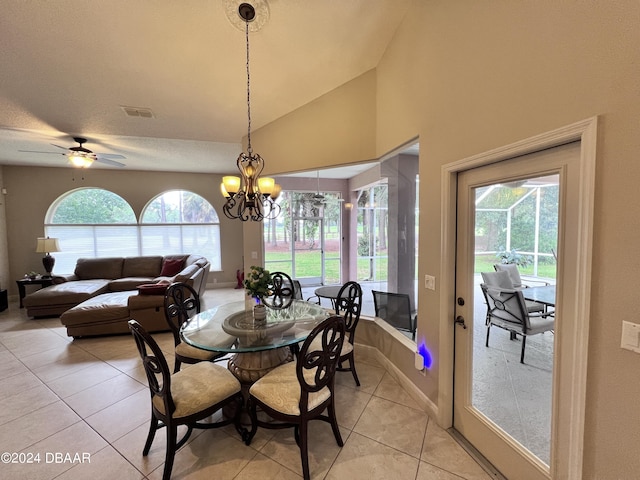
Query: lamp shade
pixel 47 245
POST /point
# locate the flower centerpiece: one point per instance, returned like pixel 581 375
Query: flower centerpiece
pixel 256 285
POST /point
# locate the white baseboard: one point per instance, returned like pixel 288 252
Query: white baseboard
pixel 423 401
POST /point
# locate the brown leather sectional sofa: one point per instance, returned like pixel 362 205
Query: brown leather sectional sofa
pixel 102 294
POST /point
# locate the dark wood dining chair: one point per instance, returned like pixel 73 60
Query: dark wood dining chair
pixel 184 397
pixel 348 305
pixel 282 291
pixel 297 392
pixel 181 302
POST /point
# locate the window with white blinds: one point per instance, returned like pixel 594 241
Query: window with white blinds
pixel 92 223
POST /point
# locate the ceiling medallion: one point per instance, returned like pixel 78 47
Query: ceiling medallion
pixel 237 10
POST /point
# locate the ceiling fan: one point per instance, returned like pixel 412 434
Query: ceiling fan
pixel 319 200
pixel 82 157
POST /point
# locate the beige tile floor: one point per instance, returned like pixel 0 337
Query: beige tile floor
pixel 89 397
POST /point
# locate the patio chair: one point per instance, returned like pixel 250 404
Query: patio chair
pixel 184 398
pixel 297 290
pixel 502 279
pixel 395 309
pixel 514 274
pixel 297 392
pixel 506 309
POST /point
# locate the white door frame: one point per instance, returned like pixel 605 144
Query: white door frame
pixel 571 377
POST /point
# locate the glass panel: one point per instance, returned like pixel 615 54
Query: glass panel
pixel 179 206
pixel 308 250
pixel 90 241
pixel 515 223
pixel 277 238
pixel 90 206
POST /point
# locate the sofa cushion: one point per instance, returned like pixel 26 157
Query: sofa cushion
pixel 90 268
pixel 186 273
pixel 152 288
pixel 141 266
pixel 171 266
pixel 102 308
pixel 127 283
pixel 67 293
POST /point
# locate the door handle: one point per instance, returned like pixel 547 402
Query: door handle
pixel 460 320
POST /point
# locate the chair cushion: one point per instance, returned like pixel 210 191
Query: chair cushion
pixel 198 387
pixel 512 271
pixel 188 351
pixel 500 279
pixel 540 324
pixel 280 390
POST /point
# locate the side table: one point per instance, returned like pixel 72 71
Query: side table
pixel 41 281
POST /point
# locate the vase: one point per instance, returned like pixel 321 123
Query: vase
pixel 259 314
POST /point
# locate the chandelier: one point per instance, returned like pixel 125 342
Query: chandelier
pixel 250 197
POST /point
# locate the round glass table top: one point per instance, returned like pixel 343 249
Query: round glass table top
pixel 231 328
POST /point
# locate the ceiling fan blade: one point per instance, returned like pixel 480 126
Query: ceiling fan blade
pixel 36 151
pixel 111 156
pixel 63 148
pixel 107 161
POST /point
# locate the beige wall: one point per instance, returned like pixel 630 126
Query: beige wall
pixel 30 192
pixel 469 76
pixel 336 128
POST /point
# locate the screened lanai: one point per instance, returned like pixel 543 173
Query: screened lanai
pixel 518 223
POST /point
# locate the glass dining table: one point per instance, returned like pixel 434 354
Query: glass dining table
pixel 257 347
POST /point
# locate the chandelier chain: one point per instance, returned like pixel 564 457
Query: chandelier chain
pixel 249 149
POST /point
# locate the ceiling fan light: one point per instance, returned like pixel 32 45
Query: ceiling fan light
pixel 80 160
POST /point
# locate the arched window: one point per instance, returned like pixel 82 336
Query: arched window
pixel 91 222
pixel 179 221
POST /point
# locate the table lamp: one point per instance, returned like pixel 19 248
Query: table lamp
pixel 46 246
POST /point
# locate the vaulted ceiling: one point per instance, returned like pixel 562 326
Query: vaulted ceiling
pixel 69 67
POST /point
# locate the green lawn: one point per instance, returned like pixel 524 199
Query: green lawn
pixel 546 268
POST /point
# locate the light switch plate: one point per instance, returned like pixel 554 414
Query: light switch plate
pixel 429 282
pixel 630 336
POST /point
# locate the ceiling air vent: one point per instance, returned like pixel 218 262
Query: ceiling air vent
pixel 138 112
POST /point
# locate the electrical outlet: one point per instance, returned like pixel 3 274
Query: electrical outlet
pixel 419 361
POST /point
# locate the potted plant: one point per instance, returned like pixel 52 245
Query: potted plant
pixel 512 256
